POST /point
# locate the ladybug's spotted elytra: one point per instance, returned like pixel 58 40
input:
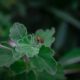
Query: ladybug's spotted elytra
pixel 39 39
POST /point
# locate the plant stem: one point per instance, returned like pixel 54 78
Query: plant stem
pixel 2 46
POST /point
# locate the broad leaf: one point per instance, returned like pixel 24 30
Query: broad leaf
pixel 44 61
pixel 47 55
pixel 5 57
pixel 46 76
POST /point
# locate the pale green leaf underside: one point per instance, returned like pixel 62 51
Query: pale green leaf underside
pixel 8 57
pixel 17 31
pixel 5 57
pixel 47 36
pixel 27 50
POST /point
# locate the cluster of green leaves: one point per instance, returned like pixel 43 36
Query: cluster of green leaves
pixel 30 56
pixel 35 14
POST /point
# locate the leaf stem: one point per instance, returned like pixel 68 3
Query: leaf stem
pixel 2 46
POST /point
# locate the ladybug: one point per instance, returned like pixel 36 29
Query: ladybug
pixel 39 39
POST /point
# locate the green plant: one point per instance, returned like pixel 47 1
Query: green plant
pixel 29 56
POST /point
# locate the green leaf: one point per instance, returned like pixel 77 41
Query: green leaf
pixel 47 36
pixel 70 57
pixel 8 56
pixel 37 64
pixel 5 57
pixel 47 55
pixel 17 32
pixel 46 76
pixel 27 50
pixel 44 61
pixel 46 52
pixel 19 67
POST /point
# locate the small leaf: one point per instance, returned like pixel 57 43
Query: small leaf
pixel 17 32
pixel 70 57
pixel 47 36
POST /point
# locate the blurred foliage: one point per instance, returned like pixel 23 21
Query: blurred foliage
pixel 37 54
pixel 64 15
